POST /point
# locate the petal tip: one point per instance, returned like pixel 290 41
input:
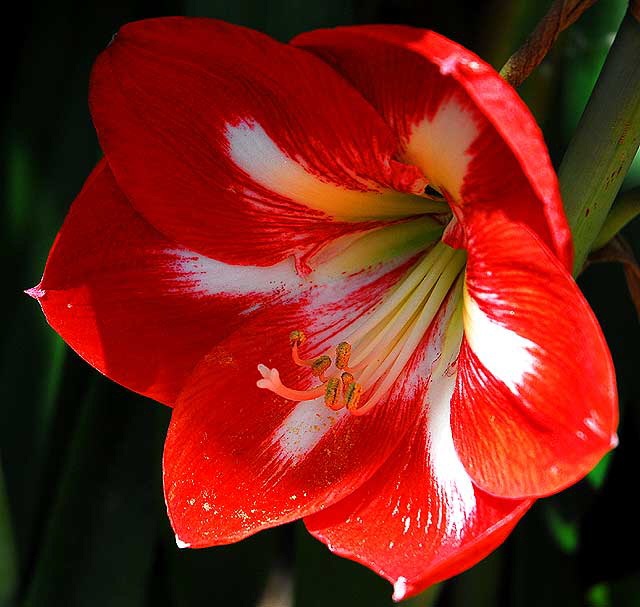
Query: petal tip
pixel 614 441
pixel 180 544
pixel 36 292
pixel 400 588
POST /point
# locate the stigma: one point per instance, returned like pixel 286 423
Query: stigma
pixel 339 388
pixel 362 370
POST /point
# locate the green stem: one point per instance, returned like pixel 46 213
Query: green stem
pixel 8 561
pixel 626 208
pixel 605 142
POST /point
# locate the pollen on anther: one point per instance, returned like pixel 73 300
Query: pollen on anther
pixel 320 365
pixel 347 380
pixel 332 393
pixel 297 337
pixel 352 396
pixel 343 353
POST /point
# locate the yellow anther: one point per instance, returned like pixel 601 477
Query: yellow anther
pixel 320 365
pixel 297 338
pixel 352 396
pixel 332 393
pixel 343 352
pixel 347 380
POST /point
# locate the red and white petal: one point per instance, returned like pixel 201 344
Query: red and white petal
pixel 535 407
pixel 220 135
pixel 239 458
pixel 135 305
pixel 457 120
pixel 420 519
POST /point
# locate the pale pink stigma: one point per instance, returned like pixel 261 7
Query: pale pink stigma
pixel 271 381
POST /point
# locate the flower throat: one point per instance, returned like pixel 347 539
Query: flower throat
pixel 360 370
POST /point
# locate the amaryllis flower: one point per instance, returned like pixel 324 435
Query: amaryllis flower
pixel 344 262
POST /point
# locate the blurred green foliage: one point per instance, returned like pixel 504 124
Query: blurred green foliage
pixel 82 519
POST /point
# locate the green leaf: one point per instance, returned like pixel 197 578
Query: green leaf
pixel 598 475
pixel 605 142
pixel 98 545
pixel 8 564
pixel 599 596
pixel 585 49
pixel 565 531
pixel 625 209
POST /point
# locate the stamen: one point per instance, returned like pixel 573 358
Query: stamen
pixel 319 366
pixel 406 311
pixel 352 397
pixel 347 379
pixel 372 322
pixel 332 396
pixel 297 337
pixel 343 352
pixel 395 361
pixel 382 342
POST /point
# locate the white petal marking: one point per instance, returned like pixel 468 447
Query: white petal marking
pixel 205 277
pixel 439 147
pixel 208 276
pixel 304 427
pixel 505 354
pixel 455 486
pixel 253 151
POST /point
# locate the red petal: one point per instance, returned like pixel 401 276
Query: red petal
pixel 239 458
pixel 239 147
pixel 136 306
pixel 420 519
pixel 535 407
pixel 459 122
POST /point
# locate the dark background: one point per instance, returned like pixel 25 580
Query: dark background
pixel 82 518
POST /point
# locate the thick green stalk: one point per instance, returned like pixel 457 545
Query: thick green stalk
pixel 604 143
pixel 625 209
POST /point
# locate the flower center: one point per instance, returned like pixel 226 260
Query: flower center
pixel 360 370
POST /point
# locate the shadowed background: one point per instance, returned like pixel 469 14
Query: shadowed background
pixel 82 519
